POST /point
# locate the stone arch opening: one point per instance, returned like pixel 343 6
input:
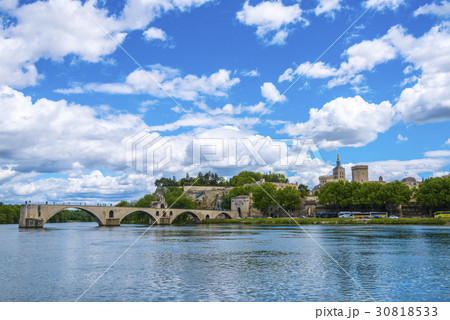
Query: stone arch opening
pixel 223 215
pixel 138 217
pixel 187 217
pixel 64 216
pixel 111 214
pixel 239 212
pixel 207 216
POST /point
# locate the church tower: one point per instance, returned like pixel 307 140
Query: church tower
pixel 338 171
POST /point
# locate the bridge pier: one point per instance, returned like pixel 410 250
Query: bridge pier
pixel 112 222
pixel 30 217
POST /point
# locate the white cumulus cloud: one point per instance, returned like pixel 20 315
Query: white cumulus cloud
pixel 438 154
pixel 271 93
pixel 429 99
pixel 344 122
pixel 56 28
pixel 327 6
pixel 155 34
pixel 272 19
pixel 383 4
pixel 189 87
pixel 49 136
pixel 442 9
pixel 307 69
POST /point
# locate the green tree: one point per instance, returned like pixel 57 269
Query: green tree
pixel 144 202
pixel 175 199
pixel 334 194
pixel 9 214
pixel 288 197
pixel 164 182
pixel 187 181
pixel 263 199
pixel 245 177
pixel 71 215
pixel 304 190
pixel 366 196
pixel 434 194
pixel 395 193
pixel 124 204
pixel 274 177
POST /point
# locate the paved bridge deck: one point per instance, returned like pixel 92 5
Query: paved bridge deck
pixel 36 215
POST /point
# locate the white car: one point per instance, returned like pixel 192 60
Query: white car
pixel 345 214
pixel 393 217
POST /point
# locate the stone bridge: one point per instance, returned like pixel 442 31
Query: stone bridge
pixel 36 215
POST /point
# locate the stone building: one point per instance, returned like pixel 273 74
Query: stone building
pixel 338 174
pixel 411 182
pixel 242 205
pixel 360 173
pixel 338 171
pixel 160 203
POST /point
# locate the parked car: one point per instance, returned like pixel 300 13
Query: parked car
pixel 303 217
pixel 393 217
pixel 344 214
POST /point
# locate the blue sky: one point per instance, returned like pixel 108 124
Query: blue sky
pixel 78 78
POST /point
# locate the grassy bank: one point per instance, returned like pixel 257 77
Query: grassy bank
pixel 334 221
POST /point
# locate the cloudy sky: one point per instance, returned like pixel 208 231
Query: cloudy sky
pixel 280 86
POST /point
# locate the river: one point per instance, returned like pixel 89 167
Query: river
pixel 224 263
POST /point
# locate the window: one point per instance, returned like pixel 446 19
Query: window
pixel 111 214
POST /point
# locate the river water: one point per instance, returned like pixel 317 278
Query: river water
pixel 225 263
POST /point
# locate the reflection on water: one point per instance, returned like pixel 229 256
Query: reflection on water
pixel 224 263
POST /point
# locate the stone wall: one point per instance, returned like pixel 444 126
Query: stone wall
pixel 206 197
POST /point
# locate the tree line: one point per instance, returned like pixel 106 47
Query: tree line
pixel 207 179
pixel 213 179
pixel 9 214
pixel 345 195
pixel 433 194
pixel 71 216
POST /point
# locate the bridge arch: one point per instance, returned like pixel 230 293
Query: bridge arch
pixel 197 219
pixel 226 215
pixel 152 218
pixel 51 213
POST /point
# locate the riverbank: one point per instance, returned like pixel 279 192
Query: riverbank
pixel 332 221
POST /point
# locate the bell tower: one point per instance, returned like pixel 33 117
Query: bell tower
pixel 338 171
